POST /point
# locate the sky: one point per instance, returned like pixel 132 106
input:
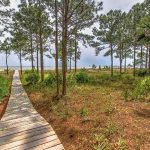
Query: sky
pixel 88 57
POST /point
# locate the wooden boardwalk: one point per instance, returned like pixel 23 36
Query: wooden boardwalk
pixel 22 128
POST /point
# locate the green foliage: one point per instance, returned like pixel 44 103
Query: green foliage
pixel 28 71
pixel 102 142
pixel 3 87
pixel 81 77
pixel 143 88
pixel 71 79
pixel 32 78
pixel 50 79
pixel 141 72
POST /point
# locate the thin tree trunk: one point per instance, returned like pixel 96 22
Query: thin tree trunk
pixel 41 49
pixel 32 59
pixel 37 54
pixel 134 59
pixel 76 44
pixel 125 61
pixel 146 61
pixel 56 47
pixel 141 66
pixel 7 62
pixel 70 62
pixel 111 59
pixel 121 50
pixel 149 59
pixel 20 59
pixel 64 46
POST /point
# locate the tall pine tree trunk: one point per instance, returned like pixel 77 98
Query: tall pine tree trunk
pixel 111 49
pixel 121 56
pixel 146 61
pixel 56 47
pixel 7 69
pixel 134 59
pixel 76 30
pixel 149 59
pixel 141 66
pixel 41 55
pixel 70 62
pixel 37 54
pixel 125 61
pixel 20 59
pixel 31 46
pixel 64 46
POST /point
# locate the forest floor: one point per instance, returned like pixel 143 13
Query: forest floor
pixel 96 116
pixel 5 99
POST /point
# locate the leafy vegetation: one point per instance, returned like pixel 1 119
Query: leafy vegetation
pixel 3 87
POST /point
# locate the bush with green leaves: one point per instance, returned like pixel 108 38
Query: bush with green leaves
pixel 143 88
pixel 71 80
pixel 28 71
pixel 32 78
pixel 81 77
pixel 141 72
pixel 50 79
pixel 3 87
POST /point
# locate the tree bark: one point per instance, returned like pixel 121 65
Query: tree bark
pixel 146 61
pixel 141 66
pixel 121 57
pixel 134 59
pixel 125 63
pixel 64 45
pixel 70 62
pixel 7 63
pixel 41 48
pixel 20 59
pixel 37 54
pixel 76 44
pixel 149 58
pixel 32 59
pixel 56 47
pixel 111 48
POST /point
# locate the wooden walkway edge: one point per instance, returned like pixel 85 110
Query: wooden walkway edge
pixel 22 128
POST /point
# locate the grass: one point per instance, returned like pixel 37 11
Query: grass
pixel 5 83
pixel 5 90
pixel 95 115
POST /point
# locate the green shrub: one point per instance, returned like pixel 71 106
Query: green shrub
pixel 128 79
pixel 141 72
pixel 3 87
pixel 32 78
pixel 28 71
pixel 143 88
pixel 71 80
pixel 50 79
pixel 81 77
